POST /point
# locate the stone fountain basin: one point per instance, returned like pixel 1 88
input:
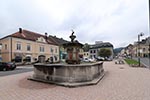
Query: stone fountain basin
pixel 69 74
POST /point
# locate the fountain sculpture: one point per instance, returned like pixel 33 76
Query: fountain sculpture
pixel 72 73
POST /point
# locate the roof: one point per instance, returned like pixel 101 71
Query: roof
pixel 129 46
pixel 33 36
pixel 101 45
pixel 144 41
pixel 148 41
pixel 59 41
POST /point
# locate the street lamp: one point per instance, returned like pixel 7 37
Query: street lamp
pixel 141 34
pixel 149 53
pixel 148 42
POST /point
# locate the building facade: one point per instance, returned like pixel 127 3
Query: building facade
pixel 26 45
pixel 94 49
pixel 86 55
pixel 0 52
pixel 60 42
pixel 138 49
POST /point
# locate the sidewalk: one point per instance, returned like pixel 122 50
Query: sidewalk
pixel 144 61
pixel 121 82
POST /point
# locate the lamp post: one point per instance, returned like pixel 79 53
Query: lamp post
pixel 148 42
pixel 149 54
pixel 141 34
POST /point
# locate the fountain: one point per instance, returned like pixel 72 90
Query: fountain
pixel 72 73
pixel 73 48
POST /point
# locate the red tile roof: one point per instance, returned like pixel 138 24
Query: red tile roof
pixel 33 36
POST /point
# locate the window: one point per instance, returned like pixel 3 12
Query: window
pixel 41 39
pixel 5 46
pixel 51 50
pixel 55 58
pixel 144 49
pixel 41 48
pixel 94 56
pixel 55 50
pixel 94 51
pixel 28 47
pixel 91 51
pixel 18 46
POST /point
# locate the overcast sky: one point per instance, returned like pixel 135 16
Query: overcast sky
pixel 115 21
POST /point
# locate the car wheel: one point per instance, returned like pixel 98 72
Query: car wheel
pixel 4 69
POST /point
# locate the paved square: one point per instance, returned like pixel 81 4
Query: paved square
pixel 121 82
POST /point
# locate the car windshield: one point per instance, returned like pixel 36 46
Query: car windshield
pixel 86 58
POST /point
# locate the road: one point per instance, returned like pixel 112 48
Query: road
pixel 145 61
pixel 19 69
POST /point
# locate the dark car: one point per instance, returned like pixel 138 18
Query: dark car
pixel 7 66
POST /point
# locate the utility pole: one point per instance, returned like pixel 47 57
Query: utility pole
pixel 141 34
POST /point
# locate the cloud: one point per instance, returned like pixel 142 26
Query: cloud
pixel 116 21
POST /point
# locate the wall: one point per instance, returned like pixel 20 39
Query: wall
pixel 34 52
pixel 5 51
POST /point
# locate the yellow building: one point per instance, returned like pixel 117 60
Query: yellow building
pixel 28 45
pixel 142 48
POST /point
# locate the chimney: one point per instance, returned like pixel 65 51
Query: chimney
pixel 20 30
pixel 45 35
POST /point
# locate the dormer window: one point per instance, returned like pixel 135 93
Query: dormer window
pixel 55 50
pixel 41 39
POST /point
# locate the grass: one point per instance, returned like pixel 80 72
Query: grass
pixel 131 61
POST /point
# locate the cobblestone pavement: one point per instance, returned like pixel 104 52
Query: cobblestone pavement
pixel 121 82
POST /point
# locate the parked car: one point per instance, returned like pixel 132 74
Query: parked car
pixel 89 60
pixel 100 58
pixel 86 60
pixel 92 59
pixel 108 59
pixel 7 66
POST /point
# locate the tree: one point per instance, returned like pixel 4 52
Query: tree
pixel 86 47
pixel 104 52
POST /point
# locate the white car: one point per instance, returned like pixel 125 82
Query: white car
pixel 92 60
pixel 89 60
pixel 86 60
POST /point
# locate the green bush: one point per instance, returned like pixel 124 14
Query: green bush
pixel 104 52
pixel 131 61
